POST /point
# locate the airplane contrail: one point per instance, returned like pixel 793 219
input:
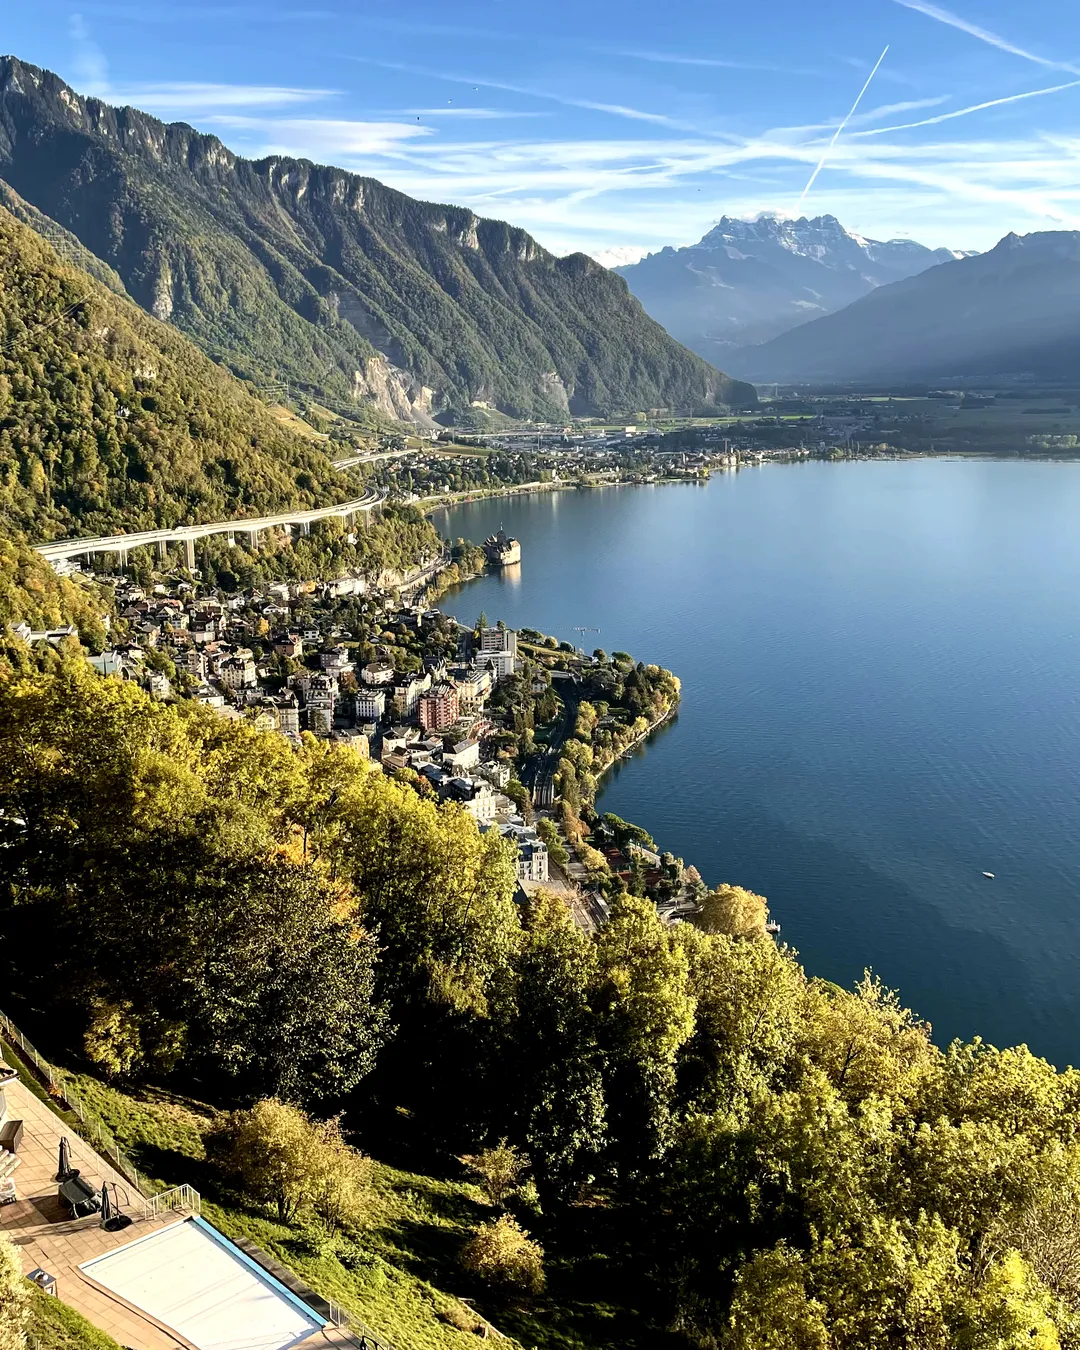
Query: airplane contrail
pixel 839 130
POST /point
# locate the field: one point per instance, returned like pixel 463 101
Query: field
pixel 998 425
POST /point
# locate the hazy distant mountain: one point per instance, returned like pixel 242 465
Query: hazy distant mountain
pixel 1013 310
pixel 748 281
pixel 287 270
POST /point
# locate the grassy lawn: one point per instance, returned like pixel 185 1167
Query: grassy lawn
pixel 55 1326
pixel 399 1275
pixel 463 451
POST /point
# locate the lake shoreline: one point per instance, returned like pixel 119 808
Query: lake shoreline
pixel 879 703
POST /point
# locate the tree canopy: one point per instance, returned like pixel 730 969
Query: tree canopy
pixel 110 420
pixel 792 1164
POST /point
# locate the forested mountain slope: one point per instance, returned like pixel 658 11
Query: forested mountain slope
pixel 112 420
pixel 288 270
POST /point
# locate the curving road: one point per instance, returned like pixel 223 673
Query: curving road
pixel 63 549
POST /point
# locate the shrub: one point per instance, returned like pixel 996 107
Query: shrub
pixel 499 1170
pixel 502 1255
pixel 280 1157
pixel 14 1298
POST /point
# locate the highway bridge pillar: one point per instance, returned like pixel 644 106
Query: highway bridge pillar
pixel 189 554
pixel 162 549
pixel 232 539
pixel 253 540
pixel 305 527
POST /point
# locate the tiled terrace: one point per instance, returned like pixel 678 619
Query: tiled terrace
pixel 38 1224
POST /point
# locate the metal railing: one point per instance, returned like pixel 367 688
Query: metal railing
pixel 155 1200
pixel 357 1333
pixel 91 1127
pixel 183 1198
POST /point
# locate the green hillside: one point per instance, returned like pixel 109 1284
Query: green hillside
pixel 722 1152
pixel 111 420
pixel 288 270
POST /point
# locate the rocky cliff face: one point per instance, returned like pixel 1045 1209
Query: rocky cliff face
pixel 748 280
pixel 285 269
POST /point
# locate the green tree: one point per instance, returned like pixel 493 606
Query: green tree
pixel 112 1040
pixel 553 1063
pixel 499 1170
pixel 646 1010
pixel 549 833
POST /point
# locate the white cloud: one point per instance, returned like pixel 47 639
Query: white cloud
pixel 874 114
pixel 321 138
pixel 565 100
pixel 210 98
pixel 91 68
pixel 619 255
pixel 946 16
pixel 974 108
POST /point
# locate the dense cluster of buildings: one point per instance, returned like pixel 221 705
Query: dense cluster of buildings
pixel 252 656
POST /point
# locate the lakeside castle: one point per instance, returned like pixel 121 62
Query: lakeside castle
pixel 501 550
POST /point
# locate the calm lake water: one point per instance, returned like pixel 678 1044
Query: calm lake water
pixel 881 700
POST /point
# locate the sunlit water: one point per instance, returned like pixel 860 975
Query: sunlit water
pixel 881 700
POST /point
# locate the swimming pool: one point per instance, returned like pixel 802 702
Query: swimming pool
pixel 193 1279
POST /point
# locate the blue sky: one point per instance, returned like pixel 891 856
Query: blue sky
pixel 616 127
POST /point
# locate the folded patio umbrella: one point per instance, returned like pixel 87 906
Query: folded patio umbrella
pixel 112 1216
pixel 64 1164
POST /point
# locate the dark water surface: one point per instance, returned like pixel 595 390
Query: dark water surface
pixel 881 699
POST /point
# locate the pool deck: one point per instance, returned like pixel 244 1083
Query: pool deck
pixel 38 1225
pixel 48 1239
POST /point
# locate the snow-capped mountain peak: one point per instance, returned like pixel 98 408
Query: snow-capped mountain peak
pixel 747 280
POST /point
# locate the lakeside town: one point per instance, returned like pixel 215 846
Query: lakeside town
pixel 788 426
pixel 514 727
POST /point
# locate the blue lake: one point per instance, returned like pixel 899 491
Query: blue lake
pixel 881 700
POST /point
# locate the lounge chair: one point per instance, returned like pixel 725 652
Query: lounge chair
pixel 80 1196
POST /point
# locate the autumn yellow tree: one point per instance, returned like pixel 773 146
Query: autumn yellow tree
pixel 502 1255
pixel 733 910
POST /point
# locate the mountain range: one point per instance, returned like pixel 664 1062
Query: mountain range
pixel 286 270
pixel 1014 310
pixel 748 281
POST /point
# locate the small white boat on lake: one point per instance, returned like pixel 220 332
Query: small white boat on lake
pixel 989 876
